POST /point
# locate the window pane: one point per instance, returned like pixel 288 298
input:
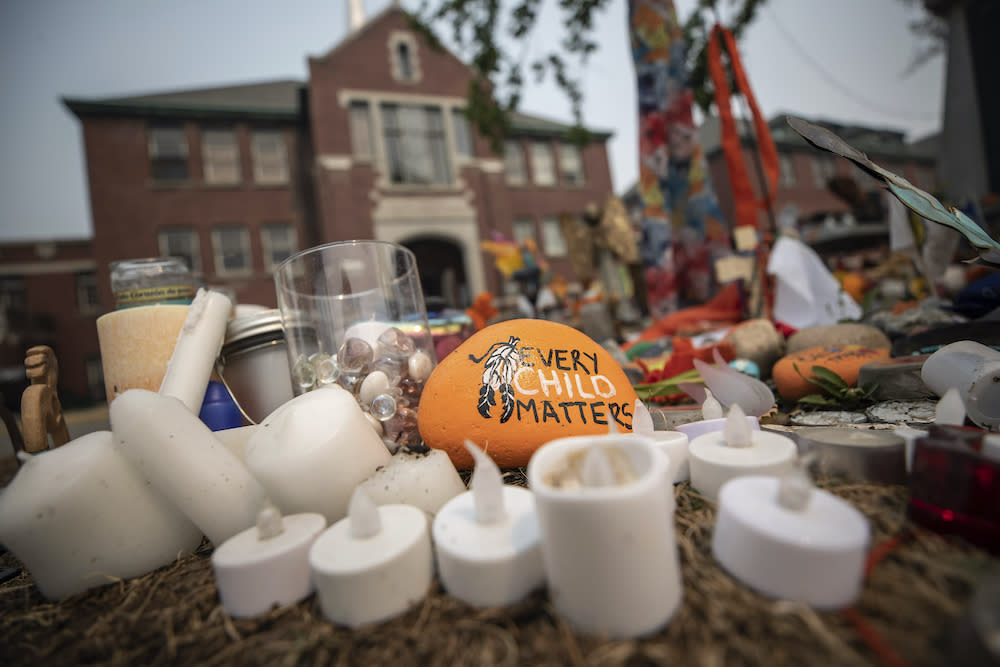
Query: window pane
pixel 168 152
pixel 361 133
pixel 554 245
pixel 270 157
pixel 786 171
pixel 571 164
pixel 543 166
pixel 278 243
pixel 87 299
pixel 220 156
pixel 231 246
pixel 12 295
pixel 183 243
pixel 415 145
pixel 513 158
pixel 524 229
pixel 463 139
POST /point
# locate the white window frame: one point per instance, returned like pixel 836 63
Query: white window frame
pixel 405 140
pixel 193 252
pixel 270 167
pixel 407 39
pixel 571 165
pixel 543 164
pixel 462 132
pixel 553 241
pixel 523 228
pixel 220 156
pixel 269 246
pixel 360 122
pixel 515 165
pixel 158 151
pixel 220 252
pixel 787 178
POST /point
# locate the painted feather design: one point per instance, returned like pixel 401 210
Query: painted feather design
pixel 502 363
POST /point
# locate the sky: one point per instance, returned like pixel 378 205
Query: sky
pixel 839 60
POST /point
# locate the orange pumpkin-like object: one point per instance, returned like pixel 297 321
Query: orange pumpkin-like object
pixel 516 385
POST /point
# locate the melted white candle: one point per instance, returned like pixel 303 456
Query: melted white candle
pixel 197 348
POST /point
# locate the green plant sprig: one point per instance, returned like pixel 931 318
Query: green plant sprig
pixel 837 393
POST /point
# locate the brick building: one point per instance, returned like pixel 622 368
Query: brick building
pixel 234 179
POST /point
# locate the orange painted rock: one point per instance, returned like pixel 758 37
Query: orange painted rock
pixel 846 361
pixel 516 385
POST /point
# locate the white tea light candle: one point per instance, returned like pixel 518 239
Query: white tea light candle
pixel 177 453
pixel 372 565
pixel 80 516
pixel 737 450
pixel 266 565
pixel 487 540
pixel 607 533
pixel 786 539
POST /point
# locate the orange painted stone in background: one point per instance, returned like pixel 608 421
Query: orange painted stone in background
pixel 516 385
pixel 846 361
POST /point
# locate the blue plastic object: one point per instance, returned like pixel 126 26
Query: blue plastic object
pixel 218 410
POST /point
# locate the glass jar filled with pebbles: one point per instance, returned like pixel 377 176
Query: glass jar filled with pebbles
pixel 354 316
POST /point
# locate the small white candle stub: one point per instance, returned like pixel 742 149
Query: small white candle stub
pixel 81 516
pixel 786 539
pixel 372 565
pixel 605 514
pixel 266 565
pixel 487 540
pixel 737 450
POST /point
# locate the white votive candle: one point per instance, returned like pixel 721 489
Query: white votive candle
pixel 737 450
pixel 197 348
pixel 605 513
pixel 423 479
pixel 267 565
pixel 310 453
pixel 177 453
pixel 786 539
pixel 80 516
pixel 712 419
pixel 672 443
pixel 487 540
pixel 372 565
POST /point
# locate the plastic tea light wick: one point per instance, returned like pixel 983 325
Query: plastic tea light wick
pixel 269 523
pixel 596 470
pixel 711 408
pixel 795 490
pixel 950 409
pixel 363 515
pixel 487 487
pixel 736 431
pixel 487 539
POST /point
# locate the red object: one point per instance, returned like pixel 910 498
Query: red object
pixel 725 308
pixel 747 205
pixel 954 487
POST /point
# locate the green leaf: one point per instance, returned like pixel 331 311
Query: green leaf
pixel 829 376
pixel 818 399
pixel 666 387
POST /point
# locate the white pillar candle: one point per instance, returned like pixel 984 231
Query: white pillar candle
pixel 737 450
pixel 372 565
pixel 197 348
pixel 423 479
pixel 487 540
pixel 235 439
pixel 310 453
pixel 178 454
pixel 267 565
pixel 786 539
pixel 80 516
pixel 605 511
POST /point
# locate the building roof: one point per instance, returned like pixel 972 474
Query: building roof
pixel 272 99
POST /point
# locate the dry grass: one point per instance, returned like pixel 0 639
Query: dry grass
pixel 172 616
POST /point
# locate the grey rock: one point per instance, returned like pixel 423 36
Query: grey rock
pixel 897 379
pixel 838 334
pixel 828 418
pixel 903 412
pixel 758 341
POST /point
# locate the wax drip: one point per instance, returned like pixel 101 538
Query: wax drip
pixel 487 486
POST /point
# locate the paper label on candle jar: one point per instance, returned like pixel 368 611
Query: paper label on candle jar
pixel 163 294
pixel 515 385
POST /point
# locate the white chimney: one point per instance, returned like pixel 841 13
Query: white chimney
pixel 356 14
